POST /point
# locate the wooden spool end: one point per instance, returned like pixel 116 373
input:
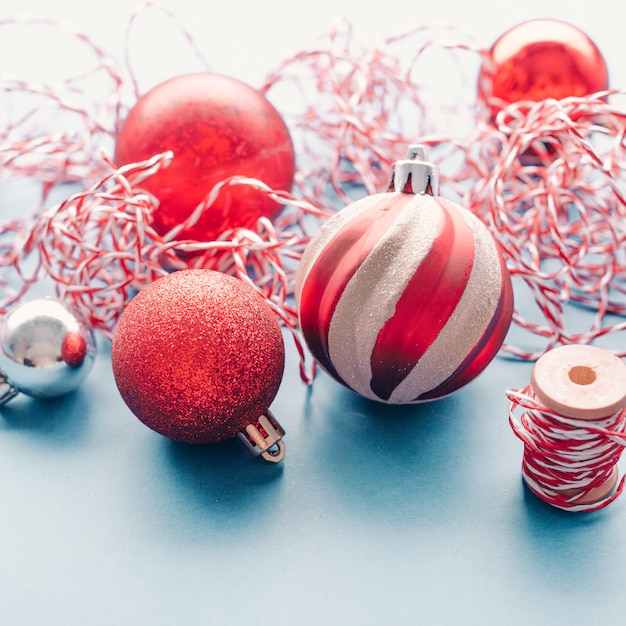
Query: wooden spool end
pixel 580 381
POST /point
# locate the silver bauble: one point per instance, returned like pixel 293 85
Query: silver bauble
pixel 45 351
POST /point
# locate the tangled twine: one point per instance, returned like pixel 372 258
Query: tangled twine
pixel 547 178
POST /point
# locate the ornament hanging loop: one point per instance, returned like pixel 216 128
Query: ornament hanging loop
pixel 264 438
pixel 415 174
pixel 7 389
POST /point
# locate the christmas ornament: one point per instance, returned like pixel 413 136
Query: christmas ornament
pixel 217 127
pixel 573 427
pixel 198 357
pixel 46 351
pixel 403 296
pixel 541 59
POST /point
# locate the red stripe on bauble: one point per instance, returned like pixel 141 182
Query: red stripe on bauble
pixel 485 350
pixel 425 305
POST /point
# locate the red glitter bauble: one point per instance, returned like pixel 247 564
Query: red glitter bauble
pixel 198 355
pixel 542 59
pixel 216 127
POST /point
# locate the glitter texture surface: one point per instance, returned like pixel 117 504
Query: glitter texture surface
pixel 197 356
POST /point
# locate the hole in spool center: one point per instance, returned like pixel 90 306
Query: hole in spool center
pixel 582 375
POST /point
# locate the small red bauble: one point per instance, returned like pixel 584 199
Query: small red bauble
pixel 542 59
pixel 74 349
pixel 216 127
pixel 198 356
pixel 404 296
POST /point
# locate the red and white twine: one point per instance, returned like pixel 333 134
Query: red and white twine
pixel 547 178
pixel 563 453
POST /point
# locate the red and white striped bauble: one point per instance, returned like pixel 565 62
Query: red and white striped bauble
pixel 404 297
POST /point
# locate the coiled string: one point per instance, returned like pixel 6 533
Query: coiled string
pixel 566 459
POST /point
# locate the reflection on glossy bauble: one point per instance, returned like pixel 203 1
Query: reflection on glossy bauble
pixel 216 127
pixel 541 59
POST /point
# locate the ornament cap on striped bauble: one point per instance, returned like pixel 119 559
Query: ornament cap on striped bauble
pixel 415 174
pixel 403 296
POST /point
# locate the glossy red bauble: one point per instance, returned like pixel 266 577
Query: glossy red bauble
pixel 198 356
pixel 216 127
pixel 542 59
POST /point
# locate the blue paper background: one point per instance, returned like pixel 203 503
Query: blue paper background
pixel 379 515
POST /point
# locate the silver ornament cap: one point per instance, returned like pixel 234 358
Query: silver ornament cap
pixel 45 350
pixel 415 174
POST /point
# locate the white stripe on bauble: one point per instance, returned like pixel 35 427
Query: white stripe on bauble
pixel 370 297
pixel 467 323
pixel 326 233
